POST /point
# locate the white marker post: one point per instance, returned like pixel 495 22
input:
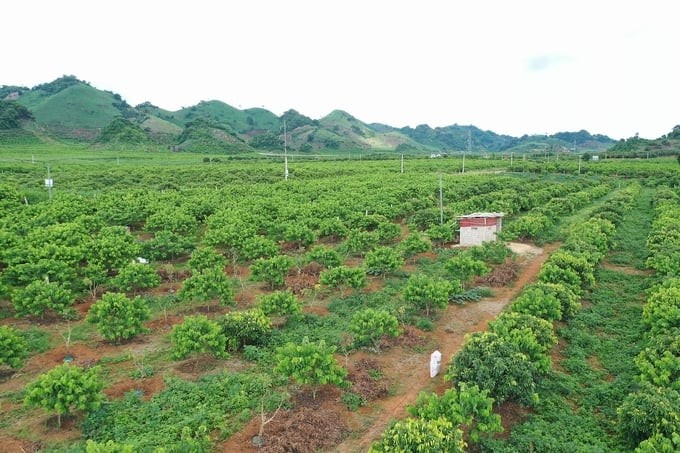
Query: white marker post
pixel 435 363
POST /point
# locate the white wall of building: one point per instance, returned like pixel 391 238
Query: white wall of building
pixel 477 234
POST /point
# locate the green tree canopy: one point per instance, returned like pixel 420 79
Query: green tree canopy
pixel 118 317
pixel 13 347
pixel 64 388
pixel 309 364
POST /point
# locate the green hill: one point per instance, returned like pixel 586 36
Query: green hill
pixel 455 138
pixel 204 135
pixel 240 121
pixel 668 144
pixel 74 111
pixel 340 130
pixel 69 108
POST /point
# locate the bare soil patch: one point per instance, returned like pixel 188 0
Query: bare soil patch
pixel 511 414
pixel 628 270
pixel 195 367
pixel 523 249
pixel 164 325
pixel 500 276
pixel 11 445
pixel 147 387
pixel 367 380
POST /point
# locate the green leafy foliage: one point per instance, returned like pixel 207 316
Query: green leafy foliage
pixel 12 114
pixel 249 327
pixel 422 436
pixel 112 248
pixel 205 258
pixel 649 411
pixel 368 326
pixel 358 242
pixel 569 300
pixel 298 235
pixel 266 140
pixel 41 296
pixel 166 245
pixel 383 260
pixel 464 267
pixel 577 262
pixel 13 347
pixel 272 271
pixel 255 247
pixel 413 244
pixel 65 388
pixel 325 256
pixel 490 252
pixel 498 365
pixel 118 317
pixel 332 229
pixel 309 363
pixel 280 303
pixel 659 443
pixel 528 226
pixel 440 234
pixel 107 447
pixel 593 236
pixel 525 324
pixel 552 273
pixel 534 301
pixel 659 362
pixel 344 276
pixel 466 405
pixel 171 219
pixel 387 232
pixel 662 312
pixel 135 277
pixel 180 417
pixel 428 293
pixel 122 131
pixel 198 334
pixel 207 285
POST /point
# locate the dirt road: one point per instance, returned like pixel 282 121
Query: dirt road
pixel 411 373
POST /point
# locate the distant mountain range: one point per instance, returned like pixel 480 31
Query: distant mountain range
pixel 71 109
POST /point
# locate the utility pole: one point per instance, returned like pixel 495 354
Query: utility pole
pixel 579 164
pixel 469 150
pixel 285 152
pixel 402 163
pixel 510 161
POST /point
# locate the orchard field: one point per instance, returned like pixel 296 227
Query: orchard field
pixel 165 302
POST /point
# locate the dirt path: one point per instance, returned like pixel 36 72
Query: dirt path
pixel 410 374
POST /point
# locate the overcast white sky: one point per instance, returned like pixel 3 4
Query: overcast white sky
pixel 512 66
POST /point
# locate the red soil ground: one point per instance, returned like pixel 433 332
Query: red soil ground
pixel 407 367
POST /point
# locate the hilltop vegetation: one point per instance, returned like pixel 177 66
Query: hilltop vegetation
pixel 12 114
pixel 71 109
pixel 121 130
pixel 665 145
